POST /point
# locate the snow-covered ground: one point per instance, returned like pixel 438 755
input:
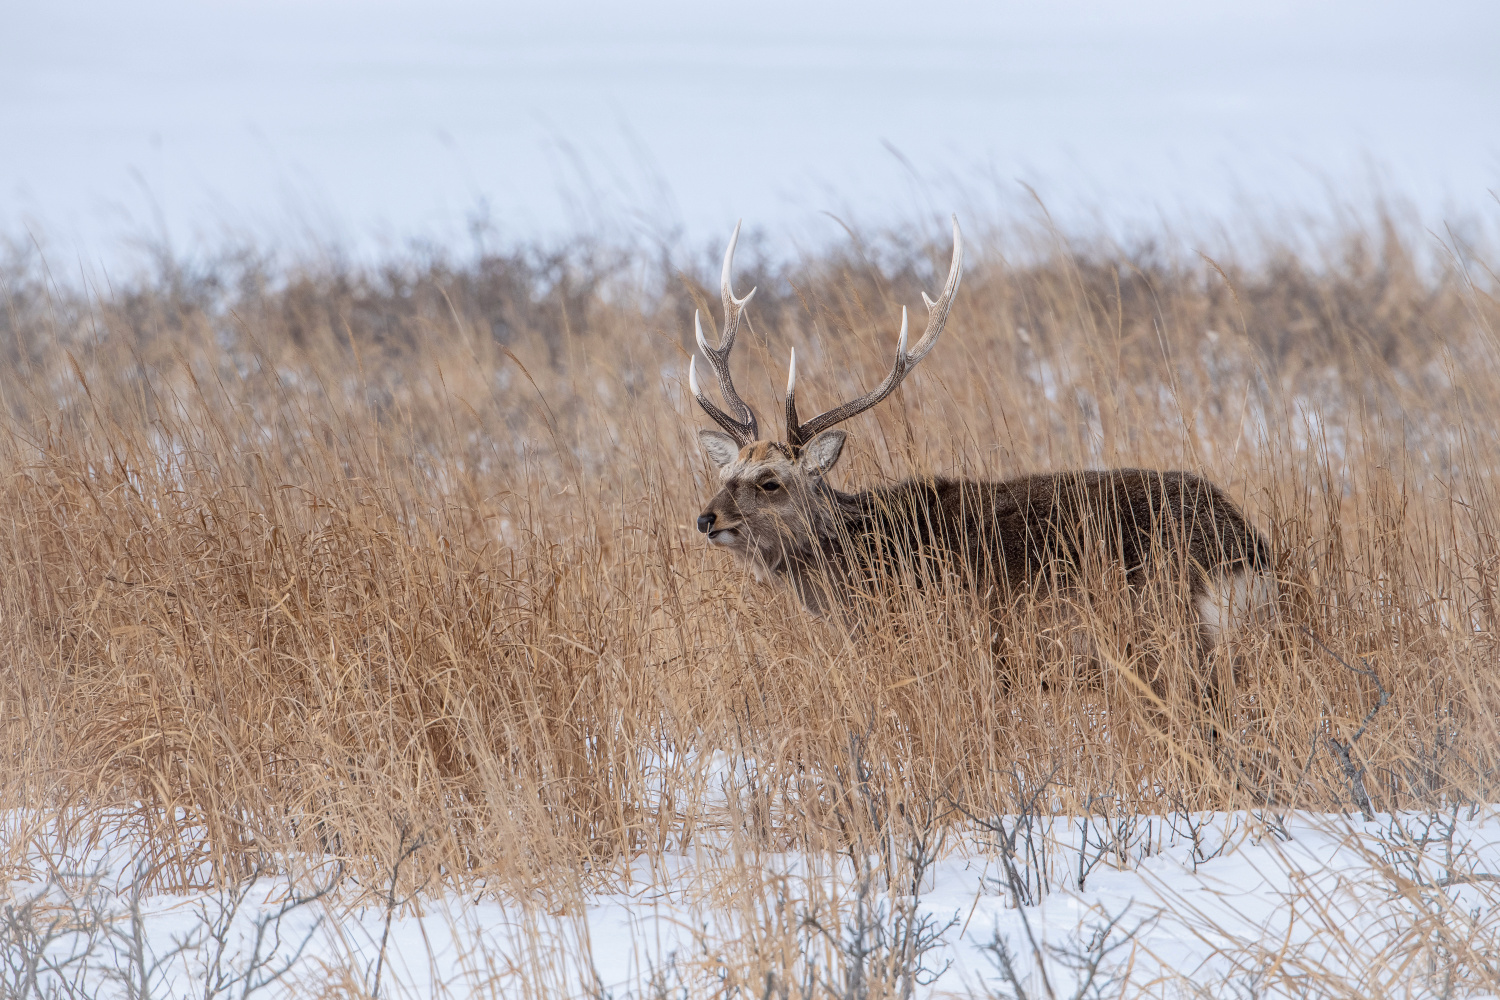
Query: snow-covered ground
pixel 1224 904
pixel 369 124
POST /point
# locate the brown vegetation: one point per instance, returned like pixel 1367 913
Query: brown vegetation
pixel 313 558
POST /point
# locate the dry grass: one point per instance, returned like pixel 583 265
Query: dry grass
pixel 320 559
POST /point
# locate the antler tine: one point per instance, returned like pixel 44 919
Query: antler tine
pixel 742 432
pixel 798 434
pixel 937 312
pixel 744 429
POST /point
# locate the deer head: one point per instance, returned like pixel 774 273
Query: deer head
pixel 773 502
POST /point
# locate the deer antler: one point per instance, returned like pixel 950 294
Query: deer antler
pixel 798 434
pixel 744 430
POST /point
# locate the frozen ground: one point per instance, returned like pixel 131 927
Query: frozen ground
pixel 370 124
pixel 1226 904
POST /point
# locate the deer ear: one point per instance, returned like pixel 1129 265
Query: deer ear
pixel 822 453
pixel 722 448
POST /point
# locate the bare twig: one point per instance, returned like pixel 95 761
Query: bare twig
pixel 1342 751
pixel 405 848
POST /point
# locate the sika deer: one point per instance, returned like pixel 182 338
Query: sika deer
pixel 777 512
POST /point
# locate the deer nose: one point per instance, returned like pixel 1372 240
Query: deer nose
pixel 705 522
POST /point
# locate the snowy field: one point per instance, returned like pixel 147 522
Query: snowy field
pixel 239 240
pixel 1241 904
pixel 299 126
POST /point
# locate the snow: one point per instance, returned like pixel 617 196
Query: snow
pixel 1231 901
pixel 369 125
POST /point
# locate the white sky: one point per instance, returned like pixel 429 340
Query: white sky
pixel 371 123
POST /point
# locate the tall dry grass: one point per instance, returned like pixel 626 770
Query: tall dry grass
pixel 321 559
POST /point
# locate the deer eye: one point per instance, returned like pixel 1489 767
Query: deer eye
pixel 770 486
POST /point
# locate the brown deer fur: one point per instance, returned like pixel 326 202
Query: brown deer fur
pixel 780 515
